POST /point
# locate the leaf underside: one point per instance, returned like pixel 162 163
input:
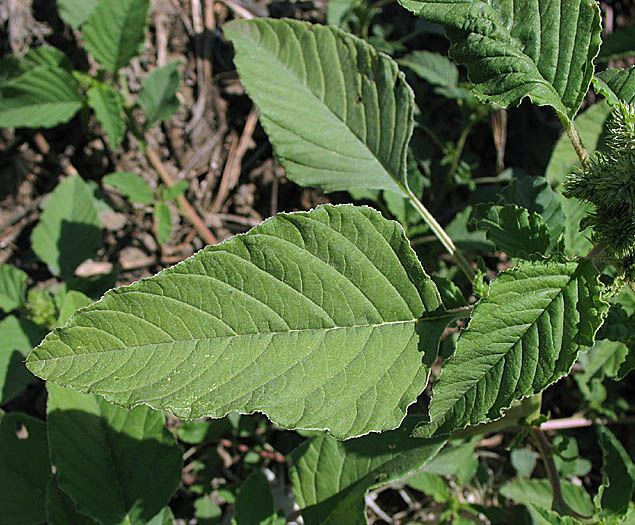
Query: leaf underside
pixel 338 113
pixel 541 49
pixel 310 318
pixel 522 338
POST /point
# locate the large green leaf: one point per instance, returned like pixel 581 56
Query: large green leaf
pixel 115 31
pixel 330 478
pixel 524 336
pixel 616 85
pixel 338 113
pixel 541 49
pixel 158 93
pixel 44 97
pixel 25 468
pixel 254 502
pixel 18 337
pixel 118 465
pixel 310 318
pixel 108 106
pixel 12 287
pixel 512 229
pixel 75 12
pixel 69 229
pixel 61 509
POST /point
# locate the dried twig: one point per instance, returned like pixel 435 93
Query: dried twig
pixel 237 151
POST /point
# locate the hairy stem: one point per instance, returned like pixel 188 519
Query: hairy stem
pixel 441 234
pixel 576 142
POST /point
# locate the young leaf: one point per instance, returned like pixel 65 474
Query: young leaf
pixel 75 12
pixel 158 93
pixel 163 221
pixel 512 229
pixel 132 185
pixel 108 106
pixel 430 484
pixel 11 66
pixel 524 336
pixel 12 287
pixel 336 11
pixel 19 337
pixel 175 190
pixel 42 97
pixel 330 478
pixel 69 231
pixel 120 466
pixel 433 67
pixel 618 476
pixel 115 31
pixel 310 318
pixel 73 301
pixel 616 85
pixel 535 194
pixel 338 113
pixel 543 50
pixel 25 467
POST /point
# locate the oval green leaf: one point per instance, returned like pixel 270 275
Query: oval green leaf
pixel 310 318
pixel 524 336
pixel 338 113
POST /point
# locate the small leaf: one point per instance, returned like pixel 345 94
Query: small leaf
pixel 42 97
pixel 254 502
pixel 512 229
pixel 108 106
pixel 430 484
pixel 163 221
pixel 19 337
pixel 131 185
pixel 115 31
pixel 543 50
pixel 535 194
pixel 330 478
pixel 616 85
pixel 75 12
pixel 524 336
pixel 11 66
pixel 12 287
pixel 69 231
pixel 337 10
pixel 538 492
pixel 524 461
pixel 338 113
pixel 311 318
pixel 164 517
pixel 618 476
pixel 25 467
pixel 175 190
pixel 158 93
pixel 119 466
pixel 433 67
pixel 619 44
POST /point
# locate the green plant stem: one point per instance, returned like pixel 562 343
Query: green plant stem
pixel 441 234
pixel 576 141
pixel 544 448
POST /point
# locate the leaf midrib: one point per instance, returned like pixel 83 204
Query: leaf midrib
pixel 196 341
